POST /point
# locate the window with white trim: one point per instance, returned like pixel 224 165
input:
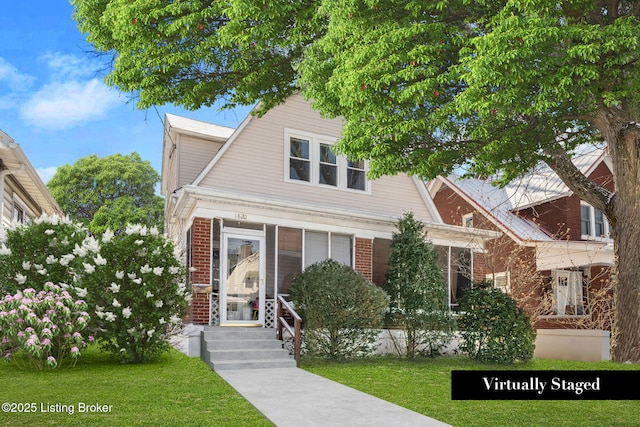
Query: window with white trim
pixel 593 223
pixel 567 292
pixel 501 281
pixel 356 175
pixel 467 220
pixel 310 159
pixel 299 160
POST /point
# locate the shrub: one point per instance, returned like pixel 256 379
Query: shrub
pixel 46 325
pixel 341 310
pixel 50 249
pixel 418 292
pixel 137 286
pixel 494 328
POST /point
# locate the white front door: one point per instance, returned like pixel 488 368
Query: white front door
pixel 243 284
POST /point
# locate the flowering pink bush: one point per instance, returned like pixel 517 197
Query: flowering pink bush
pixel 45 325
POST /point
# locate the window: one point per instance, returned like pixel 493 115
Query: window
pixel 501 281
pixel 585 220
pixel 467 220
pixel 319 246
pixel 593 223
pixel 299 162
pixel 567 292
pixel 600 223
pixel 457 267
pixel 298 249
pixel 356 175
pixel 18 213
pixel 328 166
pixel 316 247
pixel 311 159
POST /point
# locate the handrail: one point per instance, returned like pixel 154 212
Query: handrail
pixel 285 308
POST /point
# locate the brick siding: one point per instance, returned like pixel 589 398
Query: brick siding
pixel 201 261
pixel 364 257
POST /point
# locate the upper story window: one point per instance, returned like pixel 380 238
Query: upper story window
pixel 310 158
pixel 299 161
pixel 467 220
pixel 356 175
pixel 593 223
pixel 328 166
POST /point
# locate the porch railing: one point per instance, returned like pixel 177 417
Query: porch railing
pixel 286 316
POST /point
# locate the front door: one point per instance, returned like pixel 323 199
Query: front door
pixel 243 270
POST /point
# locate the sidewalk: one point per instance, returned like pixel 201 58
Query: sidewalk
pixel 292 397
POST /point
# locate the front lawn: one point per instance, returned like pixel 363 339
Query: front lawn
pixel 175 391
pixel 424 386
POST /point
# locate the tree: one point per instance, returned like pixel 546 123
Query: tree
pixel 424 87
pixel 194 53
pixel 109 193
pixel 418 292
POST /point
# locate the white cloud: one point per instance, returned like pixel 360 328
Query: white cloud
pixel 47 173
pixel 13 78
pixel 69 67
pixel 61 105
pixel 12 84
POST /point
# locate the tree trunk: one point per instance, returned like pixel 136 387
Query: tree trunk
pixel 623 211
pixel 624 148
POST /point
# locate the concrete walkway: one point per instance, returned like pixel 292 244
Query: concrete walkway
pixel 292 397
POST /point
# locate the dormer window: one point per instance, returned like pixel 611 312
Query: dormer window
pixel 310 159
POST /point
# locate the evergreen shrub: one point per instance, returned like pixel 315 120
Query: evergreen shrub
pixel 494 328
pixel 342 311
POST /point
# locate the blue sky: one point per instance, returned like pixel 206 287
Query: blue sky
pixel 54 103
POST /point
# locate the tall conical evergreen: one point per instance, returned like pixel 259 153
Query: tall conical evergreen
pixel 418 291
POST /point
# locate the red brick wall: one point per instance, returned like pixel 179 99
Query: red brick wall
pixel 364 257
pixel 201 261
pixel 201 251
pixel 452 207
pixel 198 313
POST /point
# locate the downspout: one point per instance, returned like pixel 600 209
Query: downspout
pixel 2 178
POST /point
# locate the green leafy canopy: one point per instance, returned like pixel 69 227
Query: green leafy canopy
pixel 109 192
pixel 425 87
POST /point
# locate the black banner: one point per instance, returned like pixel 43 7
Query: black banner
pixel 545 385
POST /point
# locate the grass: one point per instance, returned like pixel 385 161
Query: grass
pixel 424 386
pixel 182 391
pixel 175 391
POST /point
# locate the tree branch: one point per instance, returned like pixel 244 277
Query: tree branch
pixel 560 162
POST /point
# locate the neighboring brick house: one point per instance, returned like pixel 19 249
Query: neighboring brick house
pixel 556 251
pixel 23 195
pixel 252 207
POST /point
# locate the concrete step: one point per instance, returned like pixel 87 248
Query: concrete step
pixel 225 348
pixel 269 344
pixel 248 354
pixel 220 365
pixel 230 333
